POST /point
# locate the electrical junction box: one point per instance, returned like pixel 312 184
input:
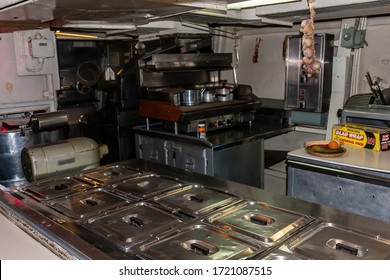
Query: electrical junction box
pixel 42 48
pixel 353 39
pixel 29 72
pixel 35 52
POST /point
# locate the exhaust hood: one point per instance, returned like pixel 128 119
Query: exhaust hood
pixel 137 16
pixel 326 9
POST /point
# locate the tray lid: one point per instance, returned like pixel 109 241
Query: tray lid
pixel 195 200
pixel 146 185
pixel 106 174
pixel 199 242
pixel 330 241
pixel 49 189
pixel 132 224
pixel 86 204
pixel 259 220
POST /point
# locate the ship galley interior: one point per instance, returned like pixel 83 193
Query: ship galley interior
pixel 195 130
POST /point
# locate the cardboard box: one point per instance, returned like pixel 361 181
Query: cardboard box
pixel 369 137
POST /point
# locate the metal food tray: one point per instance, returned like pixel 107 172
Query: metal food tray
pixel 110 173
pixel 146 185
pixel 198 242
pixel 86 204
pixel 50 189
pixel 279 255
pixel 331 241
pixel 195 200
pixel 133 224
pixel 263 222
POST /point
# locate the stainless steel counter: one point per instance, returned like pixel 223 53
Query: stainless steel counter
pixel 357 181
pixel 355 159
pixel 270 223
pixel 220 139
pixel 16 244
pixel 224 153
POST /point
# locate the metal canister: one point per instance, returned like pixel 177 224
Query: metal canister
pixel 45 160
pixel 49 121
pixel 12 141
pixel 191 97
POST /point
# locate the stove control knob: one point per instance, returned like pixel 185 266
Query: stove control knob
pixel 220 123
pixel 211 125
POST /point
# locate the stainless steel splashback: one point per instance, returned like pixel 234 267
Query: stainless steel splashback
pixel 304 93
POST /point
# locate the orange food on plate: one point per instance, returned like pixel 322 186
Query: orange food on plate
pixel 333 145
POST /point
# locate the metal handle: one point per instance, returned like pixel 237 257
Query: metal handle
pixel 60 187
pixel 259 220
pixel 375 89
pixel 153 156
pixel 189 165
pixel 379 92
pixel 199 249
pixel 91 202
pixel 82 89
pixel 196 198
pixel 134 221
pixel 347 249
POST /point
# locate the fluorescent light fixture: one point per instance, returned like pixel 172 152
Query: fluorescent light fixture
pixel 4 4
pixel 75 35
pixel 99 25
pixel 237 5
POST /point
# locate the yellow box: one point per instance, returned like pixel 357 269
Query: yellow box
pixel 369 137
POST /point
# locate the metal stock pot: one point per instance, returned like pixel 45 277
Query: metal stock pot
pixel 191 97
pixel 225 93
pixel 12 141
pixel 208 95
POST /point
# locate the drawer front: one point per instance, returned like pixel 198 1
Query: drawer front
pixel 152 149
pixel 188 157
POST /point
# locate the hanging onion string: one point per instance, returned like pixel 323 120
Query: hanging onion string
pixel 310 64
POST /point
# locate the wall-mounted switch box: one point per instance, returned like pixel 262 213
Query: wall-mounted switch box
pixel 353 39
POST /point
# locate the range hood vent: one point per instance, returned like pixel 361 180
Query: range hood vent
pixel 5 4
pixel 326 10
pixel 140 13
